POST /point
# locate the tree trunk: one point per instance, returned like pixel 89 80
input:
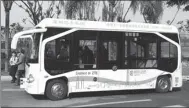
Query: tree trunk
pixel 111 19
pixel 144 18
pixel 7 40
pixel 126 12
pixel 175 16
pixel 0 53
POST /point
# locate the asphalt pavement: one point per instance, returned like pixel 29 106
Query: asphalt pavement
pixel 13 96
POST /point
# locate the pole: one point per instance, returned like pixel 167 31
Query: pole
pixel 7 39
pixel 0 55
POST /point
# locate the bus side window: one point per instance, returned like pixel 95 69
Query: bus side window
pixel 57 56
pixel 87 54
pixel 85 49
pixel 49 52
pixel 64 53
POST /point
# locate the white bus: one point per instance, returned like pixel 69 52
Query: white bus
pixel 69 56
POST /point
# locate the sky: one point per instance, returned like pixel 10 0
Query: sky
pixel 17 14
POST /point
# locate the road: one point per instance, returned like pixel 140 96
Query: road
pixel 12 96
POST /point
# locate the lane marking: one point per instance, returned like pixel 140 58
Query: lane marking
pixel 107 98
pixel 178 106
pixel 6 78
pixel 13 89
pixel 185 78
pixel 143 100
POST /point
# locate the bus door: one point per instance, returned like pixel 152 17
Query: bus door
pixel 85 59
pixel 110 50
pixel 142 58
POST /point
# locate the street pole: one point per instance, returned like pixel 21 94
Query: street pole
pixel 7 38
pixel 7 6
pixel 0 55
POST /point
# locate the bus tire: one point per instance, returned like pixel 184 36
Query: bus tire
pixel 56 89
pixel 163 84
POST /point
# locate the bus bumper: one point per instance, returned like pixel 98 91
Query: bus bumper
pixel 30 88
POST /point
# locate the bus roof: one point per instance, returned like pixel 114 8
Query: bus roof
pixel 108 26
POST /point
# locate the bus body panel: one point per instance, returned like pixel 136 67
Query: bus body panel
pixel 31 88
pixel 84 80
pixel 177 79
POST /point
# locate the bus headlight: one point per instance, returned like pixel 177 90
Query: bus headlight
pixel 30 79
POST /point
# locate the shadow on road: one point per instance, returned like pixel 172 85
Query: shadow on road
pixel 106 93
pixel 110 93
pixel 40 97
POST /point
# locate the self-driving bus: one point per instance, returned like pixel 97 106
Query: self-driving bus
pixel 69 56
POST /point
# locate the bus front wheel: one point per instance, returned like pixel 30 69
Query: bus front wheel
pixel 163 84
pixel 56 89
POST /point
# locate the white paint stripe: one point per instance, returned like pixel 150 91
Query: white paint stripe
pixel 178 106
pixel 13 90
pixel 107 98
pixel 185 78
pixel 6 78
pixel 89 105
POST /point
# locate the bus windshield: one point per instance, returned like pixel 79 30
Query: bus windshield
pixel 31 47
pixel 34 51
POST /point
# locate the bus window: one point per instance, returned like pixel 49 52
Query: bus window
pixel 164 49
pixel 85 46
pixel 112 52
pixel 30 46
pixel 133 47
pixel 50 50
pixel 173 51
pixel 63 51
pixel 26 44
pixel 152 51
pixel 57 56
pixel 168 57
pixel 87 54
pixel 110 47
pixel 168 50
pixel 143 50
pixel 125 48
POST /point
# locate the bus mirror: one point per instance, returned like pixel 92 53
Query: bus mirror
pixel 114 68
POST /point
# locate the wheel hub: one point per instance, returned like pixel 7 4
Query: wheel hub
pixel 57 90
pixel 163 84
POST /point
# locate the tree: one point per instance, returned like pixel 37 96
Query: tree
pixel 35 10
pixel 151 10
pixel 7 5
pixel 132 5
pixel 183 26
pixel 178 3
pixel 14 28
pixel 109 11
pixel 120 14
pixel 82 10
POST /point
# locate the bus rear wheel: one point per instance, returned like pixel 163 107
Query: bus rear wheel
pixel 163 84
pixel 56 90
